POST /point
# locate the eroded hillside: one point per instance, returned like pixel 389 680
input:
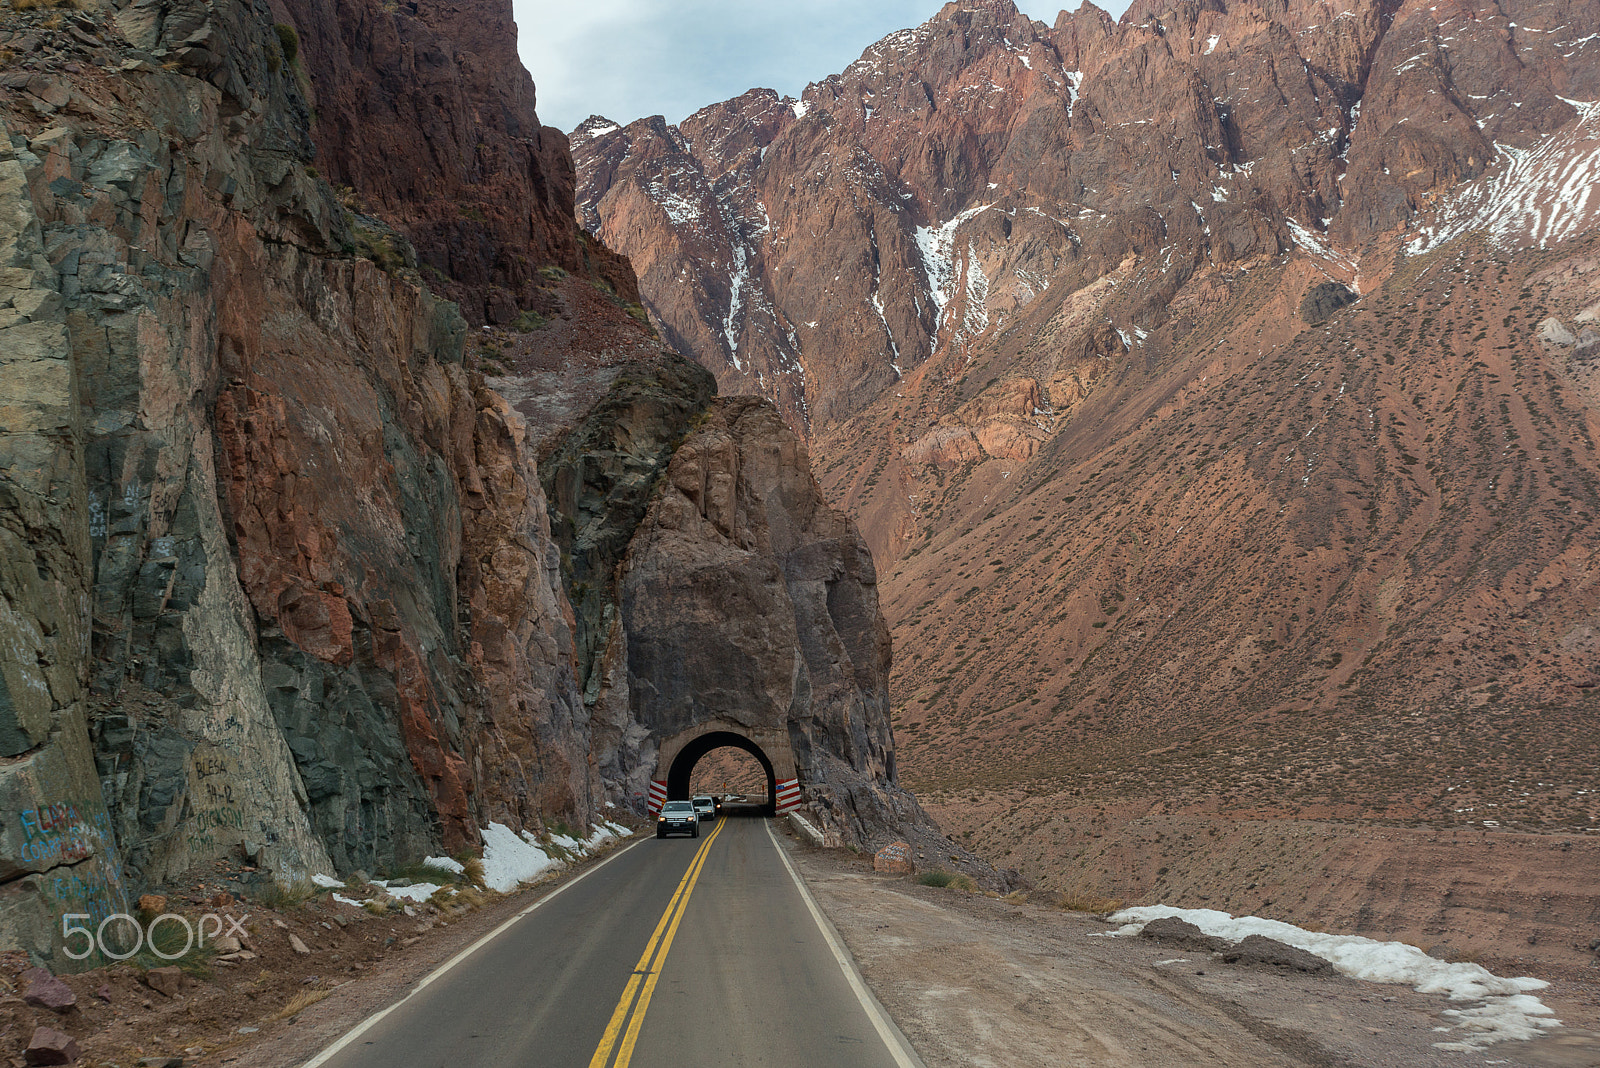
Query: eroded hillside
pixel 1214 386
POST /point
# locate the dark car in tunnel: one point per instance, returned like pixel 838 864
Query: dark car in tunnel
pixel 678 817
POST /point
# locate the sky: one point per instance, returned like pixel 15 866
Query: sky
pixel 626 59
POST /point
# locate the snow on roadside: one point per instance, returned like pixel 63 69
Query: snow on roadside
pixel 413 892
pixel 1508 1010
pixel 605 830
pixel 511 859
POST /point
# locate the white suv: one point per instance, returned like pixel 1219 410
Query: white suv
pixel 678 817
pixel 705 806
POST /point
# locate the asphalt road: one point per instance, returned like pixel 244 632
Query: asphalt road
pixel 673 953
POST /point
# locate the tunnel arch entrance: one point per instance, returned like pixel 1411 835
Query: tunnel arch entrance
pixel 679 754
pixel 679 775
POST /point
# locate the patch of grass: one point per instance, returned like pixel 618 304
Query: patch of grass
pixel 952 880
pixel 1086 899
pixel 381 249
pixel 280 897
pixel 461 896
pixel 528 322
pixel 289 41
pixel 298 1004
pixel 424 873
pixel 552 272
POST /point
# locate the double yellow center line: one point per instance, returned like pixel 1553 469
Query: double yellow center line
pixel 629 1014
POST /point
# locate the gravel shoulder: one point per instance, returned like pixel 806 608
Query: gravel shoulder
pixel 987 982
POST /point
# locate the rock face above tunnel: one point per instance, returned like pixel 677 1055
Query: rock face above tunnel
pixel 748 600
pixel 425 113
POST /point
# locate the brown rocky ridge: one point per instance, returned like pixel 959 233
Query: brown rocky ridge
pixel 1214 387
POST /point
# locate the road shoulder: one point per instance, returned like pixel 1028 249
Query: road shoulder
pixel 980 980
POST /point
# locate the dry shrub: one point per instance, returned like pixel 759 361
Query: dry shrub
pixel 299 1003
pixel 953 880
pixel 1084 898
pixel 282 896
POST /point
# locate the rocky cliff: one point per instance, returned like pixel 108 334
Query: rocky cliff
pixel 281 579
pixel 319 613
pixel 1211 384
pixel 426 116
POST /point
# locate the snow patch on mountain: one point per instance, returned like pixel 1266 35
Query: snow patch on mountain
pixel 1538 196
pixel 937 246
pixel 736 283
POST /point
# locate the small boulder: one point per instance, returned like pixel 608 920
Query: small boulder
pixel 894 859
pixel 48 1046
pixel 168 980
pixel 297 945
pixel 152 903
pixel 1553 331
pixel 44 990
pixel 1259 949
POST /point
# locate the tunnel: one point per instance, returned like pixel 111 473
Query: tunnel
pixel 678 755
pixel 680 774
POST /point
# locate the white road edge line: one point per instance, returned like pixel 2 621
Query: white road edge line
pixel 365 1025
pixel 898 1045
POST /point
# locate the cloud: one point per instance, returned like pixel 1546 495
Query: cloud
pixel 626 59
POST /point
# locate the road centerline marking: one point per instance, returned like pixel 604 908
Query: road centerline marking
pixel 649 967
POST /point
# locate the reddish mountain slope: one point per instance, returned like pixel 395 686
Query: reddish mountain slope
pixel 1164 511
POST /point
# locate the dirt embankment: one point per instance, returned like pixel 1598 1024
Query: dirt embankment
pixel 975 980
pixel 1528 903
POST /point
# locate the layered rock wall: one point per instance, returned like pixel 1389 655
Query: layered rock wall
pixel 57 849
pixel 287 556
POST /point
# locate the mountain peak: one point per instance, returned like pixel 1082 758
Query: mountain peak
pixel 594 126
pixel 999 9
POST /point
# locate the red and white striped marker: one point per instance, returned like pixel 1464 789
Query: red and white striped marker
pixel 788 795
pixel 658 795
